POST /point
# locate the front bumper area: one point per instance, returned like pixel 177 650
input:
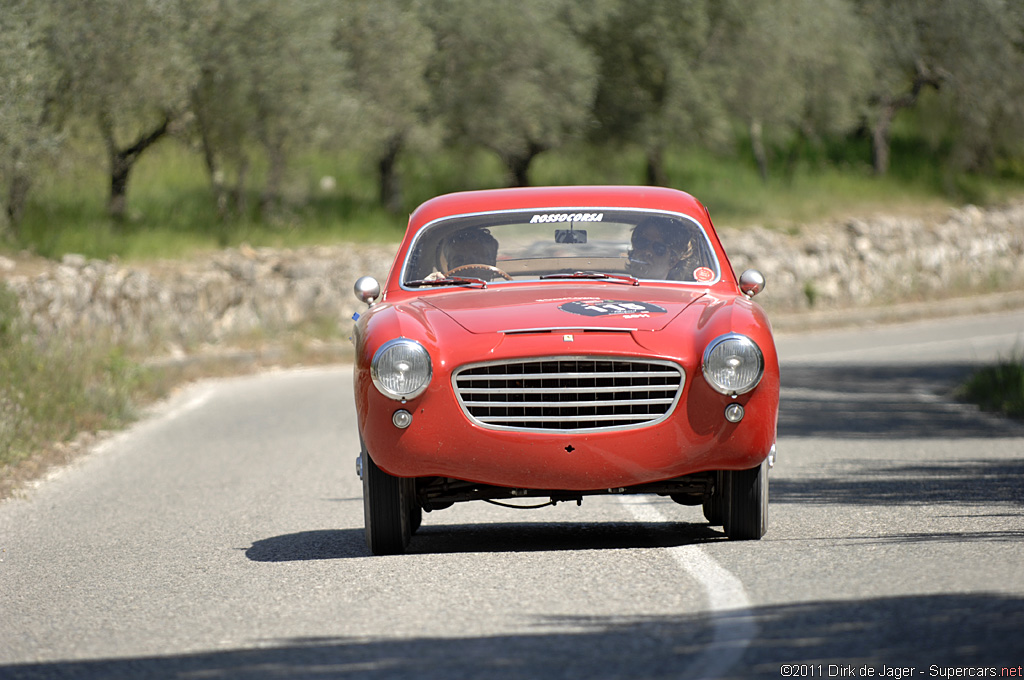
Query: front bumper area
pixel 442 442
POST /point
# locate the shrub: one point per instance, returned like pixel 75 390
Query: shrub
pixel 998 388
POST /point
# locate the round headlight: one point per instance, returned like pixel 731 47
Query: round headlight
pixel 401 369
pixel 733 364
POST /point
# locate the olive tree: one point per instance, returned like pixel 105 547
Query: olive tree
pixel 969 53
pixel 792 68
pixel 388 49
pixel 123 67
pixel 512 77
pixel 27 86
pixel 270 83
pixel 657 84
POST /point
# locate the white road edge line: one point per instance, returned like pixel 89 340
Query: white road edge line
pixel 191 405
pixel 733 626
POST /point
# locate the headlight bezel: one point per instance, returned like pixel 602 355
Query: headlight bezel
pixel 710 368
pixel 383 368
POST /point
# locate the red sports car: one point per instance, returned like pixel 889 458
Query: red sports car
pixel 562 342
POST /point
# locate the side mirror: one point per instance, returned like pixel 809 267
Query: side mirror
pixel 367 290
pixel 751 282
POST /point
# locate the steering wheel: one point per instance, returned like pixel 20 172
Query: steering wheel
pixel 484 267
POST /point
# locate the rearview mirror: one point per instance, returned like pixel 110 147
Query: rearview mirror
pixel 570 236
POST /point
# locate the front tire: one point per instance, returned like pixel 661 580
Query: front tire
pixel 413 509
pixel 386 510
pixel 714 503
pixel 746 503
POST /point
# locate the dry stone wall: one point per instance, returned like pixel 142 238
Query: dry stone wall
pixel 886 260
pixel 208 299
pixel 853 263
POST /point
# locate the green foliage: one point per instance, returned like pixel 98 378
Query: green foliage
pixel 967 54
pixel 227 113
pixel 510 77
pixel 998 388
pixel 28 136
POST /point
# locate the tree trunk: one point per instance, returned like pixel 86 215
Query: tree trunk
pixel 123 160
pixel 17 197
pixel 656 175
pixel 519 164
pixel 271 198
pixel 757 147
pixel 880 141
pixel 924 76
pixel 390 181
pixel 239 196
pixel 217 186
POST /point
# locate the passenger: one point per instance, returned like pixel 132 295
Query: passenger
pixel 662 249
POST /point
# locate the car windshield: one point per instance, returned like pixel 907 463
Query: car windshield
pixel 617 244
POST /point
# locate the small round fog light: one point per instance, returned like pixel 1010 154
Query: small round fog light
pixel 734 413
pixel 401 419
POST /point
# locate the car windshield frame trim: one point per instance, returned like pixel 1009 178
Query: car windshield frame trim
pixel 560 209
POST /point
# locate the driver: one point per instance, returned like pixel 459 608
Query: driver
pixel 474 245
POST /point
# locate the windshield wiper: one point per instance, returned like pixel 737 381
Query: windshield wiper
pixel 596 276
pixel 447 281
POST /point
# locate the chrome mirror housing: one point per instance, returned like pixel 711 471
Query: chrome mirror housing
pixel 751 282
pixel 367 290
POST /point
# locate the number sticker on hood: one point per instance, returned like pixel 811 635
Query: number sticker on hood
pixel 624 308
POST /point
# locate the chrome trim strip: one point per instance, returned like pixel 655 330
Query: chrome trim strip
pixel 568 329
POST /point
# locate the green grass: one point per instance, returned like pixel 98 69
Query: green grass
pixel 998 388
pixel 52 390
pixel 171 212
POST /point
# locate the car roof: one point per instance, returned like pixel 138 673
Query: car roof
pixel 488 200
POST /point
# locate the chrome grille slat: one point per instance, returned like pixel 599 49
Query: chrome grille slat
pixel 569 393
pixel 541 390
pixel 597 374
pixel 553 419
pixel 542 404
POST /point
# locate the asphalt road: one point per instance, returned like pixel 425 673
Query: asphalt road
pixel 222 538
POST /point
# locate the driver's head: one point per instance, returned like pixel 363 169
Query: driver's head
pixel 474 245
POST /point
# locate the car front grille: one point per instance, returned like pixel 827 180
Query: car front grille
pixel 568 393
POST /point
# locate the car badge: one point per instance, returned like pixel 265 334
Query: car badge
pixel 567 337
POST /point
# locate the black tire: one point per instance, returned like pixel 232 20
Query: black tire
pixel 746 503
pixel 714 503
pixel 386 512
pixel 415 512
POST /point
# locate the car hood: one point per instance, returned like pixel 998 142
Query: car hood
pixel 519 309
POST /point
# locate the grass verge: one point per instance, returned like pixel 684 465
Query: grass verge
pixel 57 395
pixel 54 389
pixel 998 388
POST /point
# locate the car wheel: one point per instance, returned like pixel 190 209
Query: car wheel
pixel 386 510
pixel 413 509
pixel 746 503
pixel 714 503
